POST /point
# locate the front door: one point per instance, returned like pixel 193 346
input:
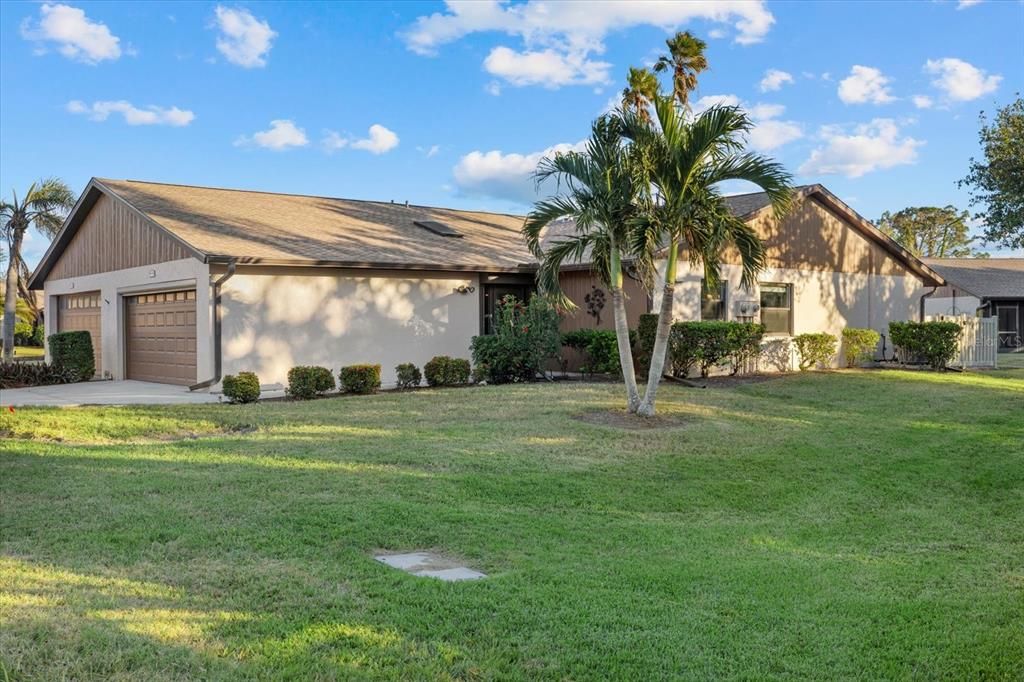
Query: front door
pixel 493 295
pixel 1009 326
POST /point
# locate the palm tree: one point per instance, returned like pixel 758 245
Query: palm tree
pixel 687 160
pixel 43 206
pixel 638 95
pixel 600 195
pixel 685 60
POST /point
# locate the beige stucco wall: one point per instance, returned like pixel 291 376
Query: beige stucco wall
pixel 114 285
pixel 274 319
pixel 823 301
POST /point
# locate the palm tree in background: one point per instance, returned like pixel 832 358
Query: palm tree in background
pixel 686 162
pixel 44 207
pixel 600 198
pixel 685 61
pixel 642 87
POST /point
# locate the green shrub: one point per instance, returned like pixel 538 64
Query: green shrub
pixel 743 340
pixel 408 375
pixel 305 382
pixel 704 344
pixel 935 343
pixel 600 346
pixel 859 345
pixel 38 336
pixel 446 371
pixel 23 333
pixel 525 337
pixel 360 379
pixel 21 374
pixel 73 351
pixel 243 387
pixel 646 330
pixel 815 349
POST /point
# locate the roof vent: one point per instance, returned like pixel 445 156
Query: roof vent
pixel 437 228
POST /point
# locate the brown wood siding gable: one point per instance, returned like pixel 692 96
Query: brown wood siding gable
pixel 578 283
pixel 812 237
pixel 114 237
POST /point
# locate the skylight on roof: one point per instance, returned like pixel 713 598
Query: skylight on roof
pixel 437 228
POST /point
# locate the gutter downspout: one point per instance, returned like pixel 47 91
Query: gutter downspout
pixel 216 329
pixel 923 297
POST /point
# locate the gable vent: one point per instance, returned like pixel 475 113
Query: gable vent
pixel 437 228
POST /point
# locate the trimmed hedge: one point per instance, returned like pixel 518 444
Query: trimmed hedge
pixel 446 371
pixel 408 375
pixel 706 344
pixel 859 345
pixel 600 346
pixel 743 340
pixel 22 374
pixel 360 379
pixel 815 349
pixel 933 342
pixel 243 387
pixel 73 351
pixel 305 382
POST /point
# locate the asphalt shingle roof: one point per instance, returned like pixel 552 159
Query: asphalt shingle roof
pixel 287 227
pixel 985 277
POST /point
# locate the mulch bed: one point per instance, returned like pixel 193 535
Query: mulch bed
pixel 620 419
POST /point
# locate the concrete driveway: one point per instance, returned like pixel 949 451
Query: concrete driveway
pixel 105 393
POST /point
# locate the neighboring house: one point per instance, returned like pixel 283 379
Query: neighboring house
pixel 184 284
pixel 989 287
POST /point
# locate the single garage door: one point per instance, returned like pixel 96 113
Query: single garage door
pixel 161 337
pixel 81 312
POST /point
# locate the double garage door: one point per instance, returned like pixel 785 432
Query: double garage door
pixel 160 333
pixel 160 336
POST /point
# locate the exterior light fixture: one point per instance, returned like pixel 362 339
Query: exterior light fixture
pixel 463 289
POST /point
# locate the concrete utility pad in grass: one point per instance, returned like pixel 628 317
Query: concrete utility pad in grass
pixel 429 565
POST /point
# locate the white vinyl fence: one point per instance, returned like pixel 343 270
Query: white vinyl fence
pixel 979 341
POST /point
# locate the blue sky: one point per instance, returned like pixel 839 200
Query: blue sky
pixel 452 105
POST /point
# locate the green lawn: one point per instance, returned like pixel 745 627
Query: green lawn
pixel 858 525
pixel 26 352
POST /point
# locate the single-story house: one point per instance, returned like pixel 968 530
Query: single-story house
pixel 989 287
pixel 184 284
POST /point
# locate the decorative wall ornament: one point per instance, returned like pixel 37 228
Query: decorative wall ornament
pixel 595 303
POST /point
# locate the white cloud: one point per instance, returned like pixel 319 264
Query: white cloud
pixel 333 141
pixel 151 115
pixel 869 147
pixel 922 101
pixel 774 79
pixel 865 84
pixel 964 4
pixel 768 132
pixel 244 40
pixel 504 176
pixel 959 80
pixel 282 134
pixel 559 38
pixel 548 67
pixel 380 140
pixel 493 88
pixel 430 151
pixel 716 34
pixel 76 36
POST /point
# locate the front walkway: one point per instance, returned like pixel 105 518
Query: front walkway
pixel 105 393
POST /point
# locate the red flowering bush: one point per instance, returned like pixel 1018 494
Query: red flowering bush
pixel 524 338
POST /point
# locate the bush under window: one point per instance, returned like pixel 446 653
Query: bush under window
pixel 743 340
pixel 305 382
pixel 600 348
pixel 935 343
pixel 525 337
pixel 859 345
pixel 646 330
pixel 73 351
pixel 360 379
pixel 443 370
pixel 815 349
pixel 243 387
pixel 408 375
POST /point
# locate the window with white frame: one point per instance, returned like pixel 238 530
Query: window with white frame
pixel 776 307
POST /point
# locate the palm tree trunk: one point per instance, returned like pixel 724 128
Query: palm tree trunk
pixel 11 295
pixel 661 336
pixel 622 333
